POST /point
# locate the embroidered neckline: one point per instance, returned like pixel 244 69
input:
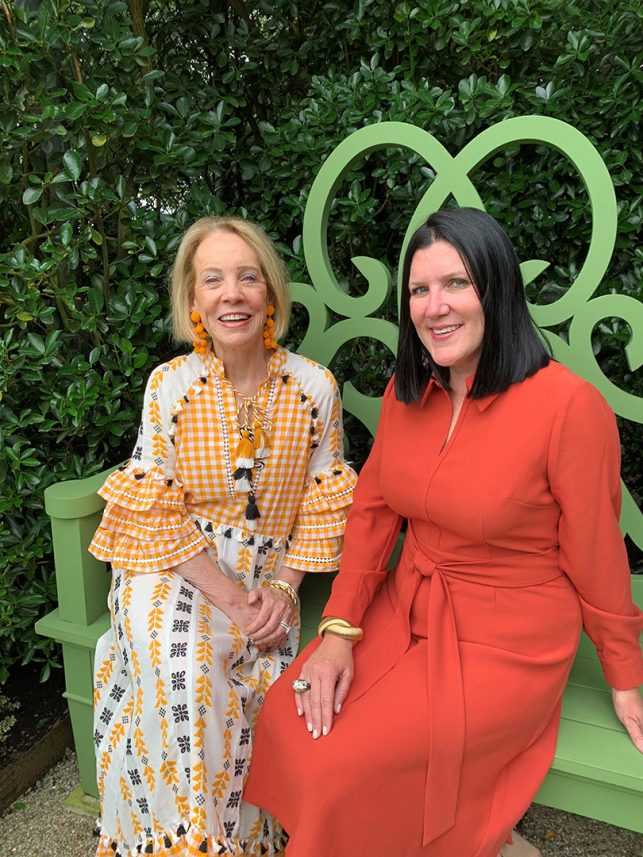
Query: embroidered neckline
pixel 274 366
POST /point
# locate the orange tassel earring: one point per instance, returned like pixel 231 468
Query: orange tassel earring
pixel 201 336
pixel 269 329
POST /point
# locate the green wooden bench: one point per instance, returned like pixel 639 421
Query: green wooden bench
pixel 596 771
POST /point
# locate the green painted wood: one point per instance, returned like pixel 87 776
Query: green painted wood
pixel 84 636
pixel 593 707
pixel 592 799
pixel 76 498
pixel 82 586
pixel 79 670
pixel 599 754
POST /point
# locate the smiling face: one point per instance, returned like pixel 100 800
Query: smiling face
pixel 230 292
pixel 445 309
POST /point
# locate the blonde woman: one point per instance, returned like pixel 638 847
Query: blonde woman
pixel 236 488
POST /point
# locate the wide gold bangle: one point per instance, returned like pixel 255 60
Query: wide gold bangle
pixel 287 589
pixel 341 628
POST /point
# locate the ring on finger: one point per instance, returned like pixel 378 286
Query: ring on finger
pixel 285 626
pixel 300 685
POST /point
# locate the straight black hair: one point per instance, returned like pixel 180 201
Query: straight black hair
pixel 512 349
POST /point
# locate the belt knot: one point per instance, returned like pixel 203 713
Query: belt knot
pixel 424 564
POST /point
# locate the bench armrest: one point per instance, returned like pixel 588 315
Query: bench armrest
pixel 76 498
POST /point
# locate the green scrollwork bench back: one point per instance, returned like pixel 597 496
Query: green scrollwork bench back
pixel 576 305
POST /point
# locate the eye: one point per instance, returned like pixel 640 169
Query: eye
pixel 211 280
pixel 419 290
pixel 249 277
pixel 459 283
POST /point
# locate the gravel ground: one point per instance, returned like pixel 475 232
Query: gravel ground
pixel 38 825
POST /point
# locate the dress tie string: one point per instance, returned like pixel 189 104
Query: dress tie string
pixel 446 704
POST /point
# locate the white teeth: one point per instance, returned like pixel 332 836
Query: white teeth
pixel 442 331
pixel 234 316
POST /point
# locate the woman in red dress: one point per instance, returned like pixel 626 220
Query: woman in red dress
pixel 431 737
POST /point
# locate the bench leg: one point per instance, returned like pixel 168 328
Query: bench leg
pixel 79 681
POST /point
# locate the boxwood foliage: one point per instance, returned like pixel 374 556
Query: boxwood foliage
pixel 120 123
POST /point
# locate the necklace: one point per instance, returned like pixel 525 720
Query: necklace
pixel 254 426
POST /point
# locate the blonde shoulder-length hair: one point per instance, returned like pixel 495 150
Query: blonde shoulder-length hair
pixel 183 276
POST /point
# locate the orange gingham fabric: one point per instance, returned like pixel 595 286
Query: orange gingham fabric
pixel 182 468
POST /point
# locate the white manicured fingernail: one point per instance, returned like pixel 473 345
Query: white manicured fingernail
pixel 315 734
pixel 325 730
pixel 300 711
pixel 309 726
pixel 338 708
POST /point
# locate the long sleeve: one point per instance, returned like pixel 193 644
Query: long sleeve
pixel 315 543
pixel 371 531
pixel 584 468
pixel 145 525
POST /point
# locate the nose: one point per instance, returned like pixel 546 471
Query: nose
pixel 231 289
pixel 437 305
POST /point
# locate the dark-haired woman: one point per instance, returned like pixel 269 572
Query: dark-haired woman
pixel 506 467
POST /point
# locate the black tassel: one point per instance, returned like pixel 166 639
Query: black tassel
pixel 203 847
pixel 240 472
pixel 252 511
pixel 180 830
pixel 167 841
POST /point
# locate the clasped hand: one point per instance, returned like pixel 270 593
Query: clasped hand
pixel 261 614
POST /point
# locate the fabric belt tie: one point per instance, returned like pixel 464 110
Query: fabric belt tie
pixel 444 671
pixel 446 705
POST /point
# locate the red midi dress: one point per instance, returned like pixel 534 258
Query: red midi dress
pixel 512 545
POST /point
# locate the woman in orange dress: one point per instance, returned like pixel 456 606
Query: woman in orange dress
pixel 432 736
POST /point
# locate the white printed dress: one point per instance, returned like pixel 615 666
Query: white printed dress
pixel 177 685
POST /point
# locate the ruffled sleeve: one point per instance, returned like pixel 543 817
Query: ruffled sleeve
pixel 145 525
pixel 315 542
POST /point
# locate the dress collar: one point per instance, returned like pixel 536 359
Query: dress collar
pixel 434 383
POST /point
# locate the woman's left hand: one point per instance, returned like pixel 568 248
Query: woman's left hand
pixel 628 705
pixel 275 610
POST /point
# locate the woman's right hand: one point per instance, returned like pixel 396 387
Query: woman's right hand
pixel 240 612
pixel 330 673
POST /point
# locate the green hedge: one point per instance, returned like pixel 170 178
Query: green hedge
pixel 121 123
